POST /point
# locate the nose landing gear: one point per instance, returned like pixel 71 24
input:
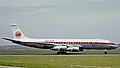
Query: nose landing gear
pixel 105 51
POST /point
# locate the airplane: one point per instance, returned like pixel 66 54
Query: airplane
pixel 62 46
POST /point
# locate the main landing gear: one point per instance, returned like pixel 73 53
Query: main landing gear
pixel 61 52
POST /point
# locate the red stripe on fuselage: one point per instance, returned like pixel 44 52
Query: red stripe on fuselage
pixel 79 43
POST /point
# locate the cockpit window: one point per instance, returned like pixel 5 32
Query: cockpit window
pixel 113 44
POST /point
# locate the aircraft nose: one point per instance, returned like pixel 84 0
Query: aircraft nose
pixel 114 46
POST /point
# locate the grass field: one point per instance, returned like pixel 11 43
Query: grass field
pixel 58 61
pixel 61 61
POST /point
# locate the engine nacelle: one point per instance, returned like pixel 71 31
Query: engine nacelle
pixel 73 49
pixel 58 48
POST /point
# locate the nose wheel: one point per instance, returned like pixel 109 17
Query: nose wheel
pixel 105 51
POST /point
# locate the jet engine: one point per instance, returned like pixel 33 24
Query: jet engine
pixel 73 49
pixel 58 48
pixel 66 48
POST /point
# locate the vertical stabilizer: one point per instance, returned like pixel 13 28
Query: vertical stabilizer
pixel 17 33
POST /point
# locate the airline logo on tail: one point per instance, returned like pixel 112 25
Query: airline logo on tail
pixel 18 34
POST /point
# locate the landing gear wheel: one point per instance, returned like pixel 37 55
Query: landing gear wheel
pixel 61 53
pixel 105 51
pixel 58 53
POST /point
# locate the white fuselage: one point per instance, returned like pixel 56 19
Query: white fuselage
pixel 84 43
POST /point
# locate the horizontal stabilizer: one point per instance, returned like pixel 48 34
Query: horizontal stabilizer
pixel 14 41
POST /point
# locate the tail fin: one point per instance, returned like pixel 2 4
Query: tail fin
pixel 17 33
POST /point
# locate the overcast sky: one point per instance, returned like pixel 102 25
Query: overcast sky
pixel 61 18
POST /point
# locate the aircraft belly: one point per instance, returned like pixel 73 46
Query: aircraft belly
pixel 96 46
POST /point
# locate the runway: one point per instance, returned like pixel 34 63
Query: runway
pixel 69 54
